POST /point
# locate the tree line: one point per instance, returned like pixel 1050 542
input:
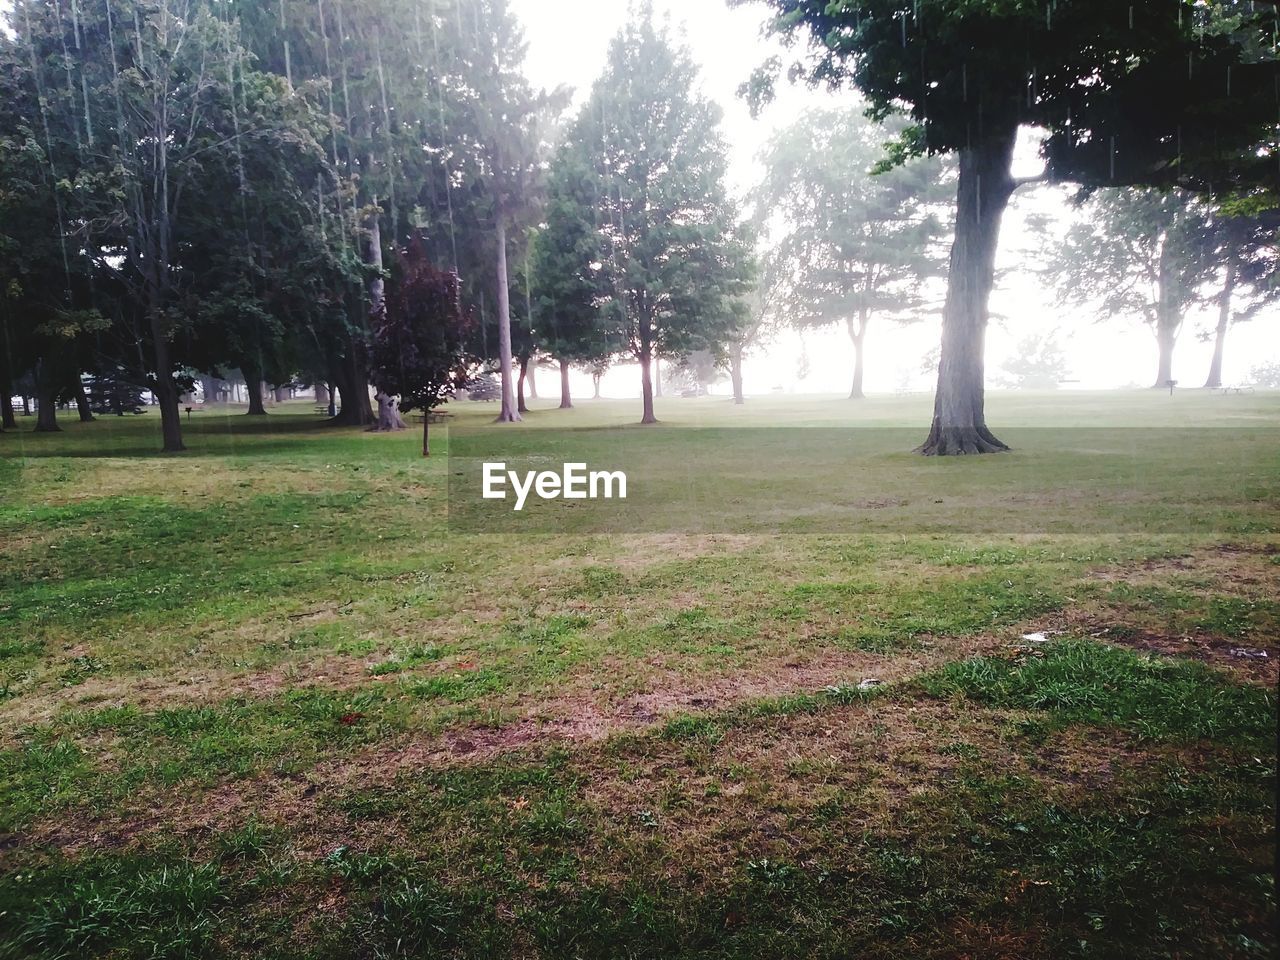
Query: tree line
pixel 371 193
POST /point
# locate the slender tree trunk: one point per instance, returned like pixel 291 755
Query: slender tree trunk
pixel 858 336
pixel 566 401
pixel 1214 380
pixel 26 405
pixel 595 386
pixel 46 399
pixel 531 380
pixel 253 389
pixel 509 413
pixel 735 372
pixel 646 359
pixel 959 415
pixel 82 400
pixel 426 427
pixel 520 382
pixel 1168 321
pixel 657 376
pixel 332 396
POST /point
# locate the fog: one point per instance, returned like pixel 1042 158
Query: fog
pixel 567 45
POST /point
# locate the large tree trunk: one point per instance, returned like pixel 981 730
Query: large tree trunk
pixel 646 361
pixel 388 415
pixel 735 372
pixel 253 388
pixel 7 419
pixel 510 413
pixel 858 335
pixel 1214 380
pixel 959 416
pixel 166 392
pixel 82 400
pixel 1168 321
pixel 353 389
pixel 524 376
pixel 46 398
pixel 566 401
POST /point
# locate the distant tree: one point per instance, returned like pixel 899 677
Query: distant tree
pixel 1138 253
pixel 676 266
pixel 1037 363
pixel 1266 375
pixel 856 244
pixel 1150 93
pixel 1247 243
pixel 569 283
pixel 765 312
pixel 110 391
pixel 419 337
pixel 696 372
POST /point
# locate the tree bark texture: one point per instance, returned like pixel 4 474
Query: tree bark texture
pixel 986 184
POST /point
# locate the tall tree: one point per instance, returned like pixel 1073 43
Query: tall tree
pixel 1153 92
pixel 857 243
pixel 1248 246
pixel 677 267
pixel 1139 253
pixel 568 262
pixel 513 125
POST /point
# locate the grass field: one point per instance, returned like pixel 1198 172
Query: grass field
pixel 260 700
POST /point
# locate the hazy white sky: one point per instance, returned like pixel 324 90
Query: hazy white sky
pixel 567 45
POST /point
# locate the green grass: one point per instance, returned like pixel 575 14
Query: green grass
pixel 301 715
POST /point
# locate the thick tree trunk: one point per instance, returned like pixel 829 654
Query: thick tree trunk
pixel 389 418
pixel 1214 380
pixel 7 419
pixel 282 394
pixel 167 393
pixel 1168 321
pixel 509 413
pixel 520 382
pixel 646 377
pixel 82 400
pixel 353 391
pixel 253 389
pixel 332 400
pixel 46 399
pixel 1165 341
pixel 858 336
pixel 735 372
pixel 959 416
pixel 322 395
pixel 566 401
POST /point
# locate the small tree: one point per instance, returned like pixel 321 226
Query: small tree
pixel 1037 363
pixel 419 337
